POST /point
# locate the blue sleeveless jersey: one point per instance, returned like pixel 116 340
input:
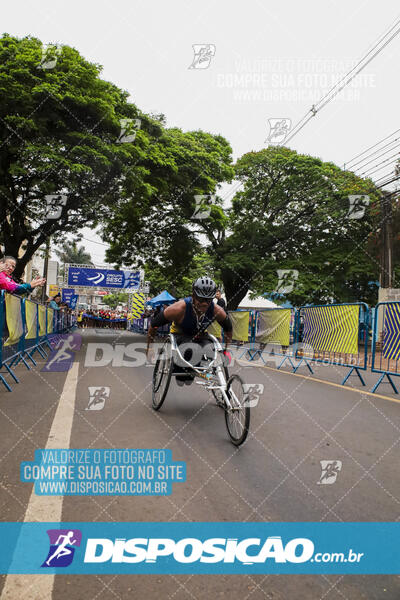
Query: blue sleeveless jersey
pixel 189 325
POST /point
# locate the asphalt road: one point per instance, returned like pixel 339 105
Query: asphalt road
pixel 273 477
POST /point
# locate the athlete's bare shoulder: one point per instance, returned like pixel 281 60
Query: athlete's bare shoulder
pixel 219 313
pixel 175 310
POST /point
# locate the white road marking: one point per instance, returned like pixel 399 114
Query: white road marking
pixel 46 508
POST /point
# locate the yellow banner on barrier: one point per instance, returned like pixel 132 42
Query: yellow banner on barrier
pixel 240 322
pixel 391 328
pixel 31 319
pixel 214 329
pixel 332 328
pixel 42 320
pixel 50 314
pixel 273 326
pixel 14 320
pixel 54 290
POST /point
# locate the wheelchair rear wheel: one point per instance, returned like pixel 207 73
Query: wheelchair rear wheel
pixel 162 375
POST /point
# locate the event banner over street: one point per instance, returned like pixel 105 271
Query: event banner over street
pixel 103 278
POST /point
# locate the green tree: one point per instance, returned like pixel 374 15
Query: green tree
pixel 113 300
pixel 161 228
pixel 70 253
pixel 60 135
pixel 292 212
pixel 178 285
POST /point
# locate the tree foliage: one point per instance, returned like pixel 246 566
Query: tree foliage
pixel 59 131
pixel 291 213
pixel 113 300
pixel 294 213
pixel 160 224
pixel 71 253
pixel 178 285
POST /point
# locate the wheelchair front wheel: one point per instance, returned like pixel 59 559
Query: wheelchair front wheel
pixel 237 418
pixel 162 375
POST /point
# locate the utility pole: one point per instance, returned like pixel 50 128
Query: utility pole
pixel 386 241
pixel 46 267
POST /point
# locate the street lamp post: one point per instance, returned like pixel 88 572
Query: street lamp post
pixel 46 267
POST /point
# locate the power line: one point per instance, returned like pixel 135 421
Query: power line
pixel 373 169
pixel 364 162
pixel 365 56
pixel 364 61
pixel 377 166
pixel 346 164
pixel 95 242
pixel 390 181
pixel 388 174
pixel 383 178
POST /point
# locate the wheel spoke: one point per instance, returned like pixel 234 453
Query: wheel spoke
pixel 238 417
pixel 162 375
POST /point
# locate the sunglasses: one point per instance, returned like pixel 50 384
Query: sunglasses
pixel 202 300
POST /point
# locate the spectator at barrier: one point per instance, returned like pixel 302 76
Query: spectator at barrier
pixel 55 301
pixel 7 283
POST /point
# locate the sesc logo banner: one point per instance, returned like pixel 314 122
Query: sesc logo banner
pixel 196 548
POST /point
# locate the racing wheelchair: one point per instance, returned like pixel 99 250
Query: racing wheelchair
pixel 228 391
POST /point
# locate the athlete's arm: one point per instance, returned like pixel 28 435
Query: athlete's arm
pixel 224 320
pixel 172 313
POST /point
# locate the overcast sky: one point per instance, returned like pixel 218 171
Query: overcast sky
pixel 271 61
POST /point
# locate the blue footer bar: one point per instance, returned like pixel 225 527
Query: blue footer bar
pixel 96 548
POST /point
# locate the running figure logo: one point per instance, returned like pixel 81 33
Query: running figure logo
pixel 278 130
pixel 62 550
pixel 203 53
pixel 252 393
pixel 54 204
pixel 63 352
pixel 330 471
pixel 97 397
pixel 357 205
pixel 50 54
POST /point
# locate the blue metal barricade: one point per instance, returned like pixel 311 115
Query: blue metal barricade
pixel 242 330
pixel 142 326
pixel 163 330
pixel 32 338
pixel 386 343
pixel 3 338
pixel 14 346
pixel 331 333
pixel 42 319
pixel 12 334
pixel 137 325
pixel 26 327
pixel 273 333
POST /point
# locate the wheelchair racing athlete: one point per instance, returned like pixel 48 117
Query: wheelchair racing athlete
pixel 190 318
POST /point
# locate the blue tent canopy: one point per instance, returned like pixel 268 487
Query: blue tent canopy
pixel 163 298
